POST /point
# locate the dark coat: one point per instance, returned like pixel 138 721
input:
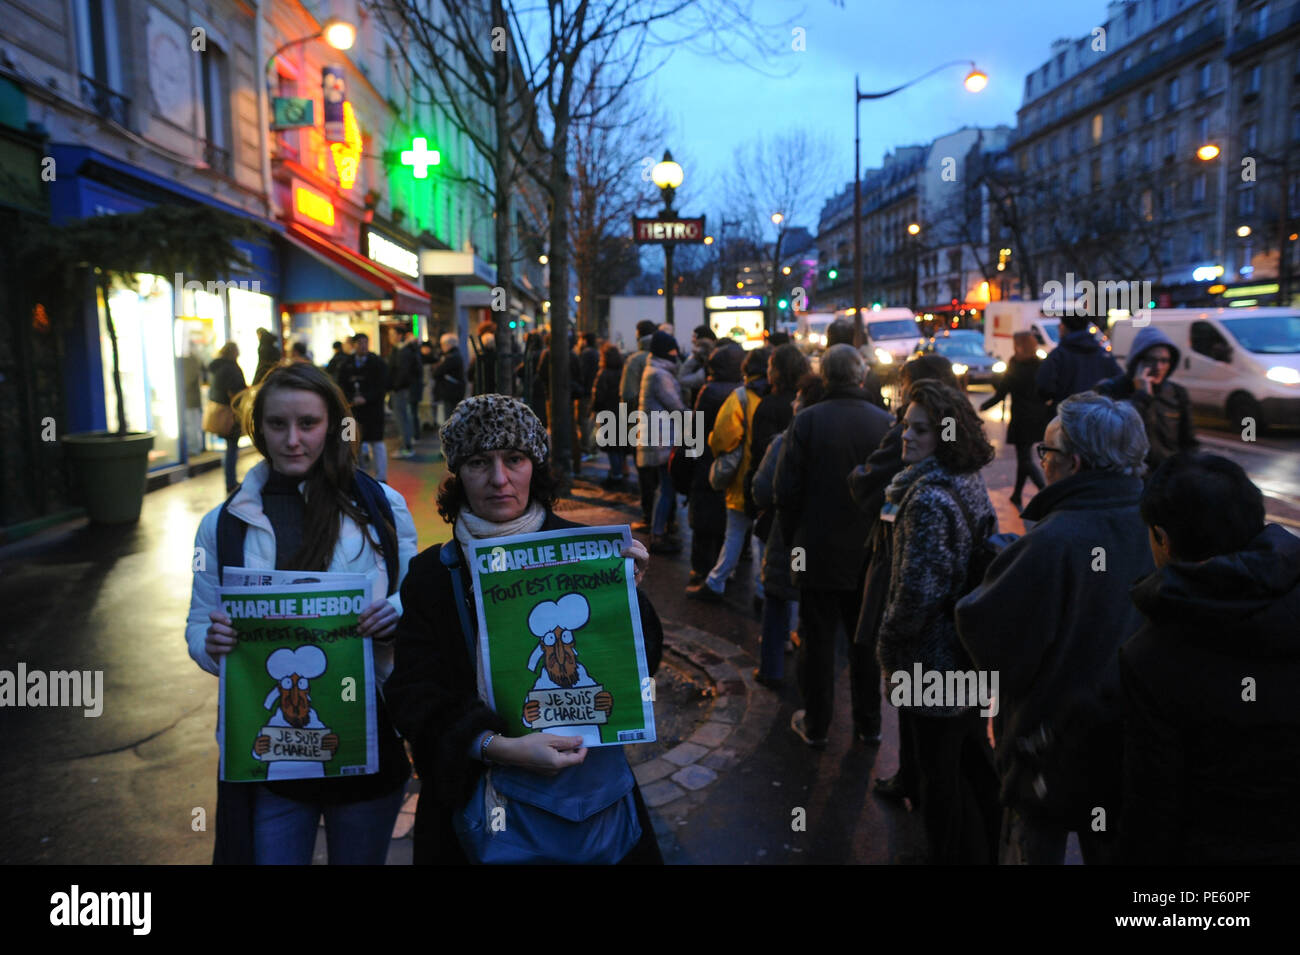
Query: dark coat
pixel 604 400
pixel 370 380
pixel 823 445
pixel 867 483
pixel 433 699
pixel 1166 411
pixel 588 367
pixel 774 414
pixel 933 542
pixel 1029 414
pixel 1212 776
pixel 227 380
pixel 404 369
pixel 1051 622
pixel 268 356
pixel 335 363
pixel 706 509
pixel 449 377
pixel 776 555
pixel 1077 364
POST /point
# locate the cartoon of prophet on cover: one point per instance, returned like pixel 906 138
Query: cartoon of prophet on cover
pixel 294 742
pixel 564 694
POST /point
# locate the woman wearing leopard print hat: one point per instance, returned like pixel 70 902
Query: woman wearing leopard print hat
pixel 498 484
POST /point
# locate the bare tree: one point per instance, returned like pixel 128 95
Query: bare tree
pixel 770 185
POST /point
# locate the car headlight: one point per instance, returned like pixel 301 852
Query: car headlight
pixel 884 357
pixel 1283 375
pixel 1040 353
pixel 959 369
pixel 999 367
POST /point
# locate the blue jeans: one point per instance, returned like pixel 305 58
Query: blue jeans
pixel 405 412
pixel 737 524
pixel 231 459
pixel 616 459
pixel 357 833
pixel 665 504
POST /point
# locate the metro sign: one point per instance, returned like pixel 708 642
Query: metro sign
pixel 668 230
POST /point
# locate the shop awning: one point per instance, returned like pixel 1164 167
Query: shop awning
pixel 360 277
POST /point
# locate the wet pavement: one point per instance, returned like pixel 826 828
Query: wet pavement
pixel 728 782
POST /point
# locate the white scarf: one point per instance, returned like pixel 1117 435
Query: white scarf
pixel 471 527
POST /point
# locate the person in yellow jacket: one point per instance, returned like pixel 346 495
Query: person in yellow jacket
pixel 734 425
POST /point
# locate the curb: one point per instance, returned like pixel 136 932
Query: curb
pixel 742 715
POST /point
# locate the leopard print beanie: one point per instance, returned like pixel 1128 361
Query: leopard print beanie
pixel 492 423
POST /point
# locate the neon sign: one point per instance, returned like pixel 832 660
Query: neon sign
pixel 347 154
pixel 313 205
pixel 420 157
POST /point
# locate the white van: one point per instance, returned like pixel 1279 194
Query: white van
pixel 1003 319
pixel 1238 362
pixel 891 336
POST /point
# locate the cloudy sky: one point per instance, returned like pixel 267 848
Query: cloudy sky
pixel 715 106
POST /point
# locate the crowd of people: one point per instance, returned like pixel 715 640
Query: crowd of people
pixel 1140 634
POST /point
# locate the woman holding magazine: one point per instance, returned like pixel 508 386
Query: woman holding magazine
pixel 304 508
pixel 583 801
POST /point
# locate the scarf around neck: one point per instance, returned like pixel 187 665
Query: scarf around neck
pixel 905 478
pixel 471 527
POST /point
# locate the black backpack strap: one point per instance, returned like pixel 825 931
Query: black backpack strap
pixel 375 503
pixel 230 538
pixel 449 554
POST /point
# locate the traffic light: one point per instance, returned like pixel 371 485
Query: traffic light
pixel 783 304
pixel 833 275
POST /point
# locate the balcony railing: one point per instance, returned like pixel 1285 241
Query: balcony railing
pixel 104 101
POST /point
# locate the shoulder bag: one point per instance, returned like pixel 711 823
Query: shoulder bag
pixel 726 466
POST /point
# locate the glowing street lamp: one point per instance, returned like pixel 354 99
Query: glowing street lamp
pixel 1207 152
pixel 338 33
pixel 668 176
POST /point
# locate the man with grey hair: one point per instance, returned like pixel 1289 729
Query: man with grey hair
pixel 1049 618
pixel 827 533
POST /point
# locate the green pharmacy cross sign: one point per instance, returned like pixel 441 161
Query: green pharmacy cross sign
pixel 420 157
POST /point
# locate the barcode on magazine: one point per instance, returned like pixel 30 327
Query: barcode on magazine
pixel 352 770
pixel 629 736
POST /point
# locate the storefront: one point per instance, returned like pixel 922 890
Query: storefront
pixel 166 336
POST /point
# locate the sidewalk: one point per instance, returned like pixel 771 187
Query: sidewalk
pixel 726 781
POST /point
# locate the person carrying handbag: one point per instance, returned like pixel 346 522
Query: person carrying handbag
pixel 564 802
pixel 219 415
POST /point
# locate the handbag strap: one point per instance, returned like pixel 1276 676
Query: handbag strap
pixel 449 554
pixel 743 398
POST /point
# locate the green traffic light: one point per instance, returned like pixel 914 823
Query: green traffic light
pixel 832 274
pixel 783 304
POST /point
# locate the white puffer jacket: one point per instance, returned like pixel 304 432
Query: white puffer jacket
pixel 352 555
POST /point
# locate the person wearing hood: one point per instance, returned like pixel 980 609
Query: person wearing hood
pixel 694 370
pixel 1211 681
pixel 1163 404
pixel 1077 364
pixel 659 393
pixel 1049 618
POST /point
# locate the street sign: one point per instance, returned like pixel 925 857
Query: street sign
pixel 667 230
pixel 291 112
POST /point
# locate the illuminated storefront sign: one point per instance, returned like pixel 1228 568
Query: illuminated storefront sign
pixel 667 230
pixel 714 302
pixel 311 204
pixel 347 154
pixel 387 252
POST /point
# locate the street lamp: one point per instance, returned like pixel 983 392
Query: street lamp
pixel 338 33
pixel 1210 151
pixel 975 81
pixel 914 229
pixel 667 175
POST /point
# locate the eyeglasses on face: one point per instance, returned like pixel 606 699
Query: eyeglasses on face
pixel 1042 448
